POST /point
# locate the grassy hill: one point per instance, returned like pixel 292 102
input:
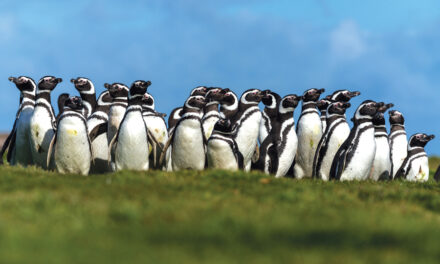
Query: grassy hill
pixel 213 216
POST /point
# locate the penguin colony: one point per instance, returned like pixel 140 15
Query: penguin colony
pixel 213 129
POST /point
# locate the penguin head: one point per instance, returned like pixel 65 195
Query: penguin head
pixel 74 103
pixel 148 102
pixel 312 95
pixel 396 118
pixel 223 125
pixel 195 102
pixel 48 83
pixel 385 107
pixel 138 89
pixel 83 85
pixel 199 90
pixel 270 99
pixel 214 94
pixel 117 90
pixel 251 96
pixel 338 108
pixel 343 95
pixel 289 103
pixel 104 99
pixel 367 109
pixel 323 104
pixel 24 84
pixel 420 140
pixel 229 97
pixel 62 98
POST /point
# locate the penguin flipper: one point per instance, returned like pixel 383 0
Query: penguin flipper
pixel 165 148
pixel 11 147
pixel 110 147
pixel 256 155
pixel 321 145
pixel 49 151
pixel 7 142
pixel 401 172
pixel 97 131
pixel 437 174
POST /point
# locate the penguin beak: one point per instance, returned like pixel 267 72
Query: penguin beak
pixel 392 112
pixel 354 94
pixel 430 137
pixel 72 80
pixel 58 80
pixel 379 105
pixel 107 86
pixel 321 91
pixel 12 79
pixel 346 105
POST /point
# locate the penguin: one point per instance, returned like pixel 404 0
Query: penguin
pixel 222 150
pixel 437 174
pixel 71 143
pixel 211 112
pixel 97 125
pixel 334 136
pixel 17 143
pixel 156 127
pixel 228 105
pixel 119 93
pixel 246 125
pixel 343 96
pixel 397 140
pixel 130 144
pixel 322 107
pixel 87 92
pixel 415 167
pixel 187 140
pixel 62 98
pixel 286 141
pixel 309 131
pixel 176 113
pixel 43 121
pixel 381 169
pixel 271 100
pixel 355 157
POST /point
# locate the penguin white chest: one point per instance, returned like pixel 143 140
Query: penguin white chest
pixel 220 155
pixel 399 151
pixel 158 128
pixel 188 149
pixel 382 162
pixel 247 137
pixel 288 149
pixel 132 147
pixel 419 170
pixel 72 149
pixel 208 125
pixel 309 134
pixel 115 117
pixel 360 164
pixel 41 133
pixel 22 141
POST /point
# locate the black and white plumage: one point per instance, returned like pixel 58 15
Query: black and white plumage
pixel 271 100
pixel 397 140
pixel 322 107
pixel 381 169
pixel 355 157
pixel 43 121
pixel 18 138
pixel 343 96
pixel 228 105
pixel 415 166
pixel 87 92
pixel 222 150
pixel 71 143
pixel 246 124
pixel 131 143
pixel 97 125
pixel 188 140
pixel 211 112
pixel 337 131
pixel 309 131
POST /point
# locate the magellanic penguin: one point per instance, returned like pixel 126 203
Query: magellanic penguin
pixel 43 122
pixel 334 136
pixel 131 150
pixel 222 150
pixel 71 143
pixel 157 128
pixel 228 105
pixel 97 125
pixel 415 166
pixel 17 143
pixel 188 140
pixel 246 125
pixel 271 100
pixel 211 112
pixel 381 169
pixel 284 138
pixel 87 92
pixel 119 93
pixel 398 141
pixel 176 113
pixel 343 96
pixel 322 107
pixel 355 157
pixel 309 131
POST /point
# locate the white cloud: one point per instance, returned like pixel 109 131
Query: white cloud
pixel 347 41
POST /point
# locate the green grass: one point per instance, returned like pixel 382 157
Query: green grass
pixel 215 217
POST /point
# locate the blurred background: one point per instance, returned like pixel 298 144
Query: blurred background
pixel 388 50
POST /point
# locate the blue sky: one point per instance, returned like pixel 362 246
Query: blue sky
pixel 388 50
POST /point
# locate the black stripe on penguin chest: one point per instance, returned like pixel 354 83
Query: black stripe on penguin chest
pixel 243 119
pixel 356 143
pixel 323 151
